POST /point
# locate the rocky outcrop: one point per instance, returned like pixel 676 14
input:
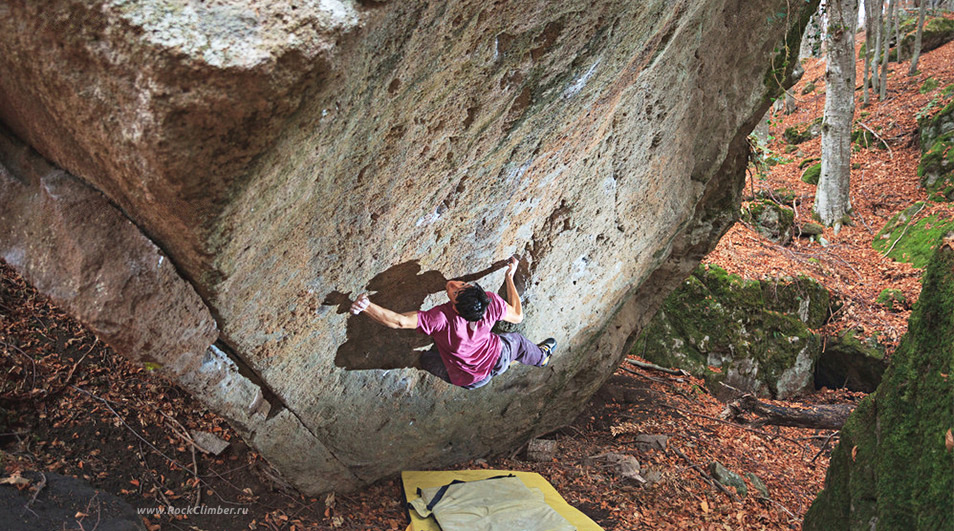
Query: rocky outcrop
pixel 936 169
pixel 770 219
pixel 892 466
pixel 286 157
pixel 755 336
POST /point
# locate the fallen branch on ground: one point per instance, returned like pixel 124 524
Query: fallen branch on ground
pixel 654 367
pixel 819 417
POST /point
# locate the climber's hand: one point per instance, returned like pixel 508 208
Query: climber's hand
pixel 512 266
pixel 360 304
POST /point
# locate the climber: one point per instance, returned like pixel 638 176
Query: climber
pixel 466 353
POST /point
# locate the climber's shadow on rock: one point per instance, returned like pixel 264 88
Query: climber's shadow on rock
pixel 401 288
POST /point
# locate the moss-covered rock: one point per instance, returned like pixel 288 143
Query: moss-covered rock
pixel 808 88
pixel 781 196
pixel 937 32
pixel 891 468
pixel 770 219
pixel 907 240
pixel 931 128
pixel 808 162
pixel 812 174
pixel 849 362
pixel 936 169
pixel 811 229
pixel 865 139
pixel 803 132
pixel 928 85
pixel 892 299
pixel 748 334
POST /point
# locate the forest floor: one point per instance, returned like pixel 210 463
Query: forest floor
pixel 71 406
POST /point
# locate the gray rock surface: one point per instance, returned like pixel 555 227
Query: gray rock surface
pixel 728 478
pixel 286 157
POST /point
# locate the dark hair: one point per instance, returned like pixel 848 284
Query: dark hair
pixel 472 302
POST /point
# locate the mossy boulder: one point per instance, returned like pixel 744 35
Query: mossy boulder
pixel 803 132
pixel 808 162
pixel 937 32
pixel 811 229
pixel 849 362
pixel 781 196
pixel 928 85
pixel 892 299
pixel 749 334
pixel 770 219
pixel 906 238
pixel 865 139
pixel 808 88
pixel 932 128
pixel 936 169
pixel 891 467
pixel 812 174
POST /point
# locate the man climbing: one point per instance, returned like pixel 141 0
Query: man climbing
pixel 466 353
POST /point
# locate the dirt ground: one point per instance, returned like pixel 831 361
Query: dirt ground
pixel 69 405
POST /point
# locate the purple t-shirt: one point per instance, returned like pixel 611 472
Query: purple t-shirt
pixel 468 353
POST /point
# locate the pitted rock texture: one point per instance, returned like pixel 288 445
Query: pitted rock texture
pixel 386 148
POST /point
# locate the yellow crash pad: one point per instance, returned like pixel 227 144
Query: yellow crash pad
pixel 414 479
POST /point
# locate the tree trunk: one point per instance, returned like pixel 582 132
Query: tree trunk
pixel 886 49
pixel 916 54
pixel 878 32
pixel 832 203
pixel 897 30
pixel 831 417
pixel 870 38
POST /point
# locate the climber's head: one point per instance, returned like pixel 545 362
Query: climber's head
pixel 469 300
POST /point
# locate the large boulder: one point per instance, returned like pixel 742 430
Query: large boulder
pixel 936 169
pixel 892 466
pixel 755 336
pixel 284 157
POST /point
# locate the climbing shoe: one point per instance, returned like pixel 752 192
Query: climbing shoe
pixel 548 346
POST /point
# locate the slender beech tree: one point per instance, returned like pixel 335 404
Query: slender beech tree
pixel 832 203
pixel 916 53
pixel 886 49
pixel 875 23
pixel 872 21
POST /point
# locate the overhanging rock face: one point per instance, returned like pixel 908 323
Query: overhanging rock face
pixel 286 159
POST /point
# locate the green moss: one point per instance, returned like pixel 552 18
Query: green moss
pixel 808 88
pixel 891 465
pixel 715 313
pixel 802 133
pixel 770 219
pixel 812 174
pixel 782 196
pixel 928 85
pixel 866 139
pixel 915 243
pixel 808 162
pixel 936 168
pixel 892 299
pixel 801 296
pixel 948 90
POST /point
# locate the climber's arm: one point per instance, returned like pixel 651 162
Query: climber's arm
pixel 383 315
pixel 514 313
